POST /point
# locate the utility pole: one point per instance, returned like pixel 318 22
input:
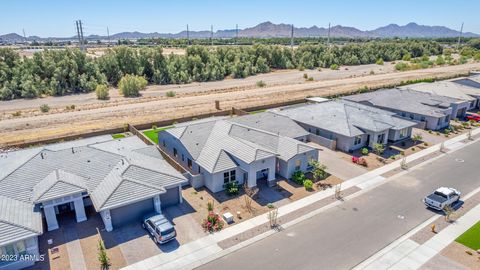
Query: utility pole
pixel 328 38
pixel 188 36
pixel 81 42
pixel 459 37
pixel 291 38
pixel 108 36
pixel 211 34
pixel 24 36
pixel 236 34
pixel 81 34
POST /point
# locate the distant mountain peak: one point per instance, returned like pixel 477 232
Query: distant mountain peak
pixel 269 29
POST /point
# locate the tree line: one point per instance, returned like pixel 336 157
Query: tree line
pixel 60 72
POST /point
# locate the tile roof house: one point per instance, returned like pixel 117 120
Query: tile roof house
pixel 449 89
pixel 350 125
pixel 120 179
pixel 432 111
pixel 471 86
pixel 222 151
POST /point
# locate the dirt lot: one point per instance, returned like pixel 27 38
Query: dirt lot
pixel 91 115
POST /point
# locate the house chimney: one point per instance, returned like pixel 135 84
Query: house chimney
pixel 41 154
pixel 73 152
pixel 123 162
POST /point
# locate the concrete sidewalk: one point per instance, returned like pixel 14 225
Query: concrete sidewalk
pixel 195 253
pixel 408 254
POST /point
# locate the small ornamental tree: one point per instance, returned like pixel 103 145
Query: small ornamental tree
pixel 416 138
pixel 378 148
pixel 213 223
pixel 102 92
pixel 318 170
pixel 130 85
pixel 102 255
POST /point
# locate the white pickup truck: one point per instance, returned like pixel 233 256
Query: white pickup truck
pixel 442 197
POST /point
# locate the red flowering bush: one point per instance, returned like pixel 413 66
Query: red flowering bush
pixel 212 223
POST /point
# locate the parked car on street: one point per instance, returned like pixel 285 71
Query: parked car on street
pixel 473 117
pixel 442 197
pixel 159 227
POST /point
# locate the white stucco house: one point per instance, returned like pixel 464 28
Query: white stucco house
pixel 120 179
pixel 348 126
pixel 235 149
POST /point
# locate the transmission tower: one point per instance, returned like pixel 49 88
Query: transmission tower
pixel 236 33
pixel 328 38
pixel 188 36
pixel 108 37
pixel 81 42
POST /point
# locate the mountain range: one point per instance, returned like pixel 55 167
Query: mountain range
pixel 269 29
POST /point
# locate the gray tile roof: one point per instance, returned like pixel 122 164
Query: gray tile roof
pixel 442 88
pixel 271 122
pixel 18 220
pixel 214 144
pixel 344 117
pixel 57 184
pixel 406 100
pixel 107 170
pixel 470 82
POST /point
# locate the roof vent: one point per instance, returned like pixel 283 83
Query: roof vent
pixel 123 162
pixel 41 154
pixel 73 151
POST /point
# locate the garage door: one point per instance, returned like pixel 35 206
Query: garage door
pixel 170 197
pixel 131 213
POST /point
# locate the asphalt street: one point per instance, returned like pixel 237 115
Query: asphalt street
pixel 345 235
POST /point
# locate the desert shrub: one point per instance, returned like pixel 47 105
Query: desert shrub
pixel 261 84
pixel 102 92
pixel 298 177
pixel 401 66
pixel 171 94
pixel 364 151
pixel 44 108
pixel 379 61
pixel 308 184
pixel 310 79
pixel 334 67
pixel 131 85
pixel 305 75
pixel 17 113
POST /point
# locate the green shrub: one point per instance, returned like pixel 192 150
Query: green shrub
pixel 270 206
pixel 310 79
pixel 308 184
pixel 102 92
pixel 44 108
pixel 379 61
pixel 305 75
pixel 298 177
pixel 17 113
pixel 131 85
pixel 261 84
pixel 334 67
pixel 401 66
pixel 232 188
pixel 407 57
pixel 171 94
pixel 364 151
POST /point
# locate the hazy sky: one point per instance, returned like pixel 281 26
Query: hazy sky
pixel 57 18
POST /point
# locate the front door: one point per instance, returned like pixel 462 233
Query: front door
pixel 367 142
pixel 262 174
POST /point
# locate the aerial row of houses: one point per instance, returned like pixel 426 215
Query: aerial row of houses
pixel 123 179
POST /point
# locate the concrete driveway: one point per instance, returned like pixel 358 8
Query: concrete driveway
pixel 188 229
pixel 135 243
pixel 336 165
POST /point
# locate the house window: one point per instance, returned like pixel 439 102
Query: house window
pixel 18 248
pixel 380 138
pixel 175 154
pixel 199 171
pixel 183 157
pixel 412 116
pixel 164 144
pixel 404 114
pixel 298 164
pixel 403 132
pixel 229 176
pixel 358 140
pixel 317 131
pixel 447 119
pixel 422 118
pixel 189 163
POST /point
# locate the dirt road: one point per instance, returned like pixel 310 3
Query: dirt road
pixel 192 99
